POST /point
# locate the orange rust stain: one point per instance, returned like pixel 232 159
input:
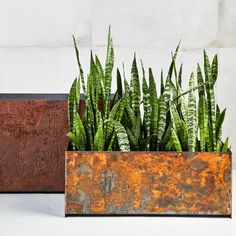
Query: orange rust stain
pixel 148 183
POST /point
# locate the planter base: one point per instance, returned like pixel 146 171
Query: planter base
pixel 148 183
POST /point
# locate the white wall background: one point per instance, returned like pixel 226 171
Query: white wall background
pixel 36 53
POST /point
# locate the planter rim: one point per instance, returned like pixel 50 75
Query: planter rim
pixel 229 152
pixel 33 96
pixel 38 96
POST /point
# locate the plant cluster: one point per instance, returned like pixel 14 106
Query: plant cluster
pixel 173 121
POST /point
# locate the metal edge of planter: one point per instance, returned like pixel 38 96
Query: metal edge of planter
pixel 25 167
pixel 195 160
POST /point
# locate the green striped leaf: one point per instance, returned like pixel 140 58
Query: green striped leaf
pixel 98 139
pixel 192 114
pixel 175 141
pixel 119 84
pixel 72 106
pixel 182 105
pixel 115 114
pixel 90 111
pixel 166 138
pixel 173 90
pixel 135 88
pixel 74 139
pixel 136 129
pixel 132 140
pixel 175 118
pixel 95 87
pixel 80 67
pixel 101 85
pixel 169 145
pixel 214 69
pixel 162 118
pixel 109 65
pixel 147 109
pixel 171 68
pixel 131 116
pixel 154 110
pixel 80 133
pixel 121 136
pixel 208 136
pixel 184 135
pixel 200 81
pixel 219 122
pixel 225 146
pixel 180 75
pixel 108 73
pixel 162 83
pixel 210 99
pixel 203 122
pixel 166 93
pixel 99 68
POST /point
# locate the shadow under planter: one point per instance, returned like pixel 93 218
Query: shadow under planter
pixel 148 183
pixel 32 142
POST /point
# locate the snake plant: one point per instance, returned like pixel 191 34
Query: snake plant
pixel 140 117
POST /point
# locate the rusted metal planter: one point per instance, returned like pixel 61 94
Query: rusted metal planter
pixel 148 183
pixel 32 142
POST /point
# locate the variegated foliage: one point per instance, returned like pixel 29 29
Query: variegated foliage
pixel 136 118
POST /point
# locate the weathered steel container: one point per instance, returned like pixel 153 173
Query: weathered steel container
pixel 148 183
pixel 32 142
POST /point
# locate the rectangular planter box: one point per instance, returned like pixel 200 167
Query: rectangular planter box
pixel 32 142
pixel 148 183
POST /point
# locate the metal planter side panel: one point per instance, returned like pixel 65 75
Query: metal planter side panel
pixel 32 144
pixel 148 183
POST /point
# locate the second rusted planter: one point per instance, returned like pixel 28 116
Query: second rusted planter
pixel 148 183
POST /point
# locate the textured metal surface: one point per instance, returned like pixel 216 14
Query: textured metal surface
pixel 148 183
pixel 32 145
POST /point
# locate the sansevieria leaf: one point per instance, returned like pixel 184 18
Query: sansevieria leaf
pixel 192 121
pixel 119 84
pixel 98 139
pixel 200 81
pixel 72 106
pixel 182 105
pixel 214 69
pixel 154 110
pixel 203 122
pixel 225 146
pixel 121 136
pixel 135 88
pixel 175 118
pixel 162 82
pixel 219 123
pixel 108 74
pixel 171 68
pixel 162 118
pixel 115 114
pixel 180 75
pixel 210 99
pixel 147 109
pixel 80 67
pixel 175 141
pixel 109 65
pixel 74 139
pixel 80 132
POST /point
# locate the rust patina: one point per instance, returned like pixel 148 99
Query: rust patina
pixel 32 144
pixel 148 183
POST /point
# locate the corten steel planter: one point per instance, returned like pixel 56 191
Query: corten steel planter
pixel 148 183
pixel 32 142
